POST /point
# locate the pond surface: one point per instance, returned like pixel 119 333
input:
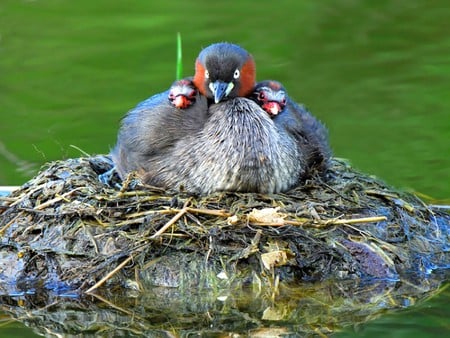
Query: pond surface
pixel 376 74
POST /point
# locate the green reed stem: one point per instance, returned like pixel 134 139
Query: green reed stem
pixel 179 58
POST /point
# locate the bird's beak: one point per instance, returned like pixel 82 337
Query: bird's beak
pixel 272 108
pixel 220 90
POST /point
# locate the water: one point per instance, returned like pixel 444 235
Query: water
pixel 429 319
pixel 377 74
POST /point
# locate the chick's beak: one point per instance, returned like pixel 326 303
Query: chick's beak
pixel 220 89
pixel 272 108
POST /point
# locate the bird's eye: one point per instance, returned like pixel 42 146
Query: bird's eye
pixel 236 74
pixel 261 96
pixel 206 74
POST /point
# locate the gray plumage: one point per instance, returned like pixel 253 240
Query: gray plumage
pixel 238 149
pixel 152 128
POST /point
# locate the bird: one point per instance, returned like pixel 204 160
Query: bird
pixel 155 124
pixel 238 149
pixel 205 134
pixel 224 70
pixel 295 119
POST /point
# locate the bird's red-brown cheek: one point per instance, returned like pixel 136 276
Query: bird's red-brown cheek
pixel 199 77
pixel 248 77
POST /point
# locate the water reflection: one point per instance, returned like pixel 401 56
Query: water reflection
pixel 309 309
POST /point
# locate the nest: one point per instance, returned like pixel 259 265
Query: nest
pixel 64 229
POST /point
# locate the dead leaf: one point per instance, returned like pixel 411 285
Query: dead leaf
pixel 274 258
pixel 267 215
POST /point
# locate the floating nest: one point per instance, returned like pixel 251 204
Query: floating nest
pixel 65 230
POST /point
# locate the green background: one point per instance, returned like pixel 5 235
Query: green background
pixel 377 73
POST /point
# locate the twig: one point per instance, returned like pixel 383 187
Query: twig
pixel 9 188
pixel 212 212
pixel 56 199
pixel 2 230
pixel 356 220
pixel 169 223
pixel 315 223
pixel 172 220
pixel 185 210
pixel 151 212
pixel 380 193
pixel 439 206
pixel 109 275
pixel 25 195
pixel 80 150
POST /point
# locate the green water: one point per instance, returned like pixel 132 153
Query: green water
pixel 376 73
